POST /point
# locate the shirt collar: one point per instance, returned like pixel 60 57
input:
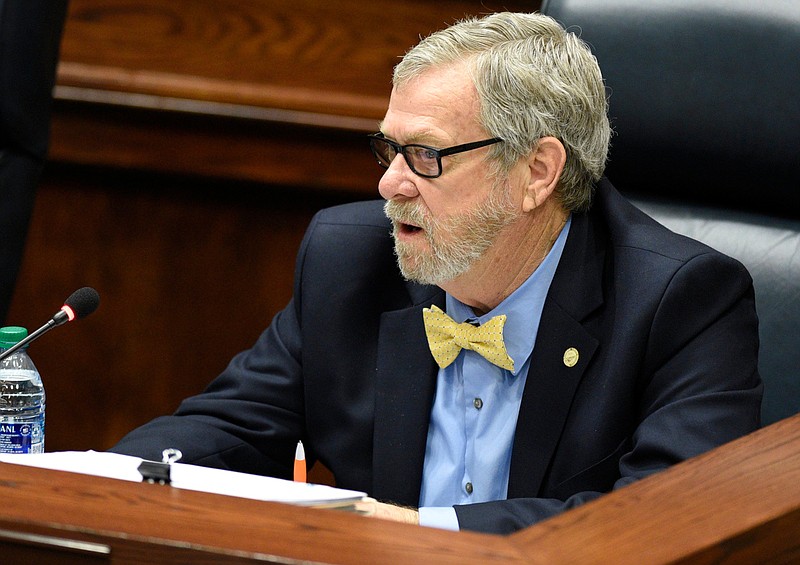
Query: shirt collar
pixel 523 307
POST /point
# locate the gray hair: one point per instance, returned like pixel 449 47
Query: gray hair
pixel 534 79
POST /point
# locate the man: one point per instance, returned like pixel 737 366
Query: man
pixel 609 347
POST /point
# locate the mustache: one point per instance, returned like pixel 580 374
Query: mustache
pixel 407 213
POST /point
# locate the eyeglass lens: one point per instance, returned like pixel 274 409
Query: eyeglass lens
pixel 421 160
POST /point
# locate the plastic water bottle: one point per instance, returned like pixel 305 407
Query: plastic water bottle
pixel 22 398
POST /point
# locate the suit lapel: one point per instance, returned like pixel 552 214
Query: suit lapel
pixel 405 385
pixel 575 292
pixel 406 376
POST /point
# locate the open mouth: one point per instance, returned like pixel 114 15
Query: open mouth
pixel 407 219
pixel 409 228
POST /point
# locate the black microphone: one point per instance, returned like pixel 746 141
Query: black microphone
pixel 80 304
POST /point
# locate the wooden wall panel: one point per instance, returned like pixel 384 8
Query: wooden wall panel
pixel 282 92
pixel 327 57
pixel 192 142
pixel 189 273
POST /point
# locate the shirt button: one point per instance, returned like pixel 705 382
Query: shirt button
pixel 477 403
pixel 468 488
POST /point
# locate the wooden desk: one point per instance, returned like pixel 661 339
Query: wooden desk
pixel 143 523
pixel 737 504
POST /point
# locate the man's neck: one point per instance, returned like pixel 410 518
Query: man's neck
pixel 513 257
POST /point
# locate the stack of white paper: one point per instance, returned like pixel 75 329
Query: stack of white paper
pixel 191 477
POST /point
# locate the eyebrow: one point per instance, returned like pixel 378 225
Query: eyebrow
pixel 419 138
pixel 425 139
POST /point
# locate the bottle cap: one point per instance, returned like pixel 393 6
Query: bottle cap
pixel 11 335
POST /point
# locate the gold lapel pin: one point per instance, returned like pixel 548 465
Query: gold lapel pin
pixel 571 357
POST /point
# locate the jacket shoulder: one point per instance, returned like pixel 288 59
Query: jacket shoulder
pixel 366 213
pixel 632 229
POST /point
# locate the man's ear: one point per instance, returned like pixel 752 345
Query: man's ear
pixel 545 165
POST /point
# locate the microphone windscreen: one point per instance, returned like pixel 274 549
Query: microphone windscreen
pixel 83 301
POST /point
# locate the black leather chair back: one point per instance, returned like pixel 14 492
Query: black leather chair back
pixel 705 104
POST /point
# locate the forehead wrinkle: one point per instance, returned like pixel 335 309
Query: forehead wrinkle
pixel 438 108
pixel 426 136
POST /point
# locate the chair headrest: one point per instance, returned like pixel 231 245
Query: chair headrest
pixel 704 96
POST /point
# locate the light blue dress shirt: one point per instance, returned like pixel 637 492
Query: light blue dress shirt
pixel 474 415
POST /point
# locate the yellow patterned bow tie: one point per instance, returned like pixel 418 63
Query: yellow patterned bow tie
pixel 446 338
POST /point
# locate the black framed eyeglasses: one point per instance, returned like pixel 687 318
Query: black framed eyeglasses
pixel 423 160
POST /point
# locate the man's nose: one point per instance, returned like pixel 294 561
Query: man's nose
pixel 398 180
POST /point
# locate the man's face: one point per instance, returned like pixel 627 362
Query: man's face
pixel 442 226
pixel 451 244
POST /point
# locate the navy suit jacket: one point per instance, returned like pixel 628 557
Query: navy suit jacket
pixel 665 328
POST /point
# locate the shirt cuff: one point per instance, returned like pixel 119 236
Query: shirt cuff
pixel 439 517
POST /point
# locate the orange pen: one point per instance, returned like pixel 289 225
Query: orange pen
pixel 300 463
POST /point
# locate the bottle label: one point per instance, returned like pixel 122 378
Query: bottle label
pixel 26 437
pixel 21 409
pixel 16 374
